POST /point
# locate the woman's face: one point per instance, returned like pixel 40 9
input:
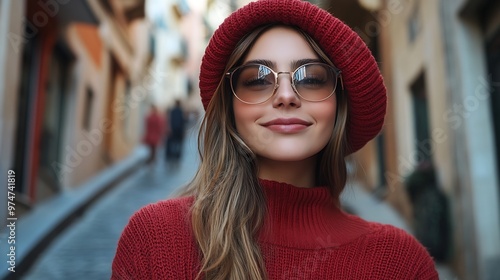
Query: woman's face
pixel 284 128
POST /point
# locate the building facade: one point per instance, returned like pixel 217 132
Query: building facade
pixel 441 64
pixel 74 78
pixel 181 30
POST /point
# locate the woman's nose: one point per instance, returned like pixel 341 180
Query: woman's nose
pixel 285 95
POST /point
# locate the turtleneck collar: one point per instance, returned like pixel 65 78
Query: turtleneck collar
pixel 306 218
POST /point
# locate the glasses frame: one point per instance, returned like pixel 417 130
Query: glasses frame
pixel 337 72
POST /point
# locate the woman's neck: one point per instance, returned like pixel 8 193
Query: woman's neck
pixel 297 173
pixel 308 218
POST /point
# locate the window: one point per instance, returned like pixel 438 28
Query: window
pixel 54 121
pixel 381 160
pixel 493 60
pixel 421 119
pixel 30 59
pixel 87 109
pixel 414 24
pixel 127 102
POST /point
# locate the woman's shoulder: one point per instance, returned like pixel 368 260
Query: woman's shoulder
pixel 158 235
pixel 165 211
pixel 159 223
pixel 391 236
pixel 398 248
pixel 161 220
pixel 176 204
pixel 380 230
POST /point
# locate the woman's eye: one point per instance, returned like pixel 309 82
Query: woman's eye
pixel 256 82
pixel 310 82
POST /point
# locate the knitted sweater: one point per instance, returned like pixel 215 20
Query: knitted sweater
pixel 305 236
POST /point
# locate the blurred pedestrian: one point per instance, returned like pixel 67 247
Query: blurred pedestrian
pixel 175 138
pixel 431 221
pixel 154 133
pixel 279 123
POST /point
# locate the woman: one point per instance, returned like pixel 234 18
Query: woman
pixel 289 91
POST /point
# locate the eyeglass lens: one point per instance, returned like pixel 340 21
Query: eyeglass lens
pixel 256 83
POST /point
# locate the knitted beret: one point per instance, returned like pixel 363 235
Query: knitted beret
pixel 360 73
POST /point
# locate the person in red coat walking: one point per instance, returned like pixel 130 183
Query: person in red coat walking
pixel 289 91
pixel 154 133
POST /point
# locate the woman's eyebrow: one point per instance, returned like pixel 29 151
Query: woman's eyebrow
pixel 293 65
pixel 297 63
pixel 265 62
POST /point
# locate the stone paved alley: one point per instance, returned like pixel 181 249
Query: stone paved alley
pixel 86 249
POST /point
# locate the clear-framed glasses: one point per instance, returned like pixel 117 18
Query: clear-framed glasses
pixel 256 83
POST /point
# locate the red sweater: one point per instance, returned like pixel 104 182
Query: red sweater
pixel 305 236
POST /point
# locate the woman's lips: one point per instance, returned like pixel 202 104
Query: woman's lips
pixel 291 125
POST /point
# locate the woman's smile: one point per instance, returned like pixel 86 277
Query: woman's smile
pixel 287 125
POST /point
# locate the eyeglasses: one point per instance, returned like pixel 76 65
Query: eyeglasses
pixel 256 83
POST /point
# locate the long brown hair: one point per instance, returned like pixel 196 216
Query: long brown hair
pixel 229 204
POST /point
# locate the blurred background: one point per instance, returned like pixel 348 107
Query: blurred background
pixel 78 79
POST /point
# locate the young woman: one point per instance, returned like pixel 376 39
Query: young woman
pixel 289 91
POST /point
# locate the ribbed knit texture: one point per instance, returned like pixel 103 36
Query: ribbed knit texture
pixel 305 237
pixel 362 78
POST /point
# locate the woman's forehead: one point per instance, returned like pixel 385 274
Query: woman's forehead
pixel 280 45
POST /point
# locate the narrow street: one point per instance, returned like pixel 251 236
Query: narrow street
pixel 86 249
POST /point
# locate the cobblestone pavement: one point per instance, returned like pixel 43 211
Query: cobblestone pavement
pixel 86 249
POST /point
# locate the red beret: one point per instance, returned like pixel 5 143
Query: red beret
pixel 361 75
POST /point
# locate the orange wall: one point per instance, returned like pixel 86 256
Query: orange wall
pixel 89 36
